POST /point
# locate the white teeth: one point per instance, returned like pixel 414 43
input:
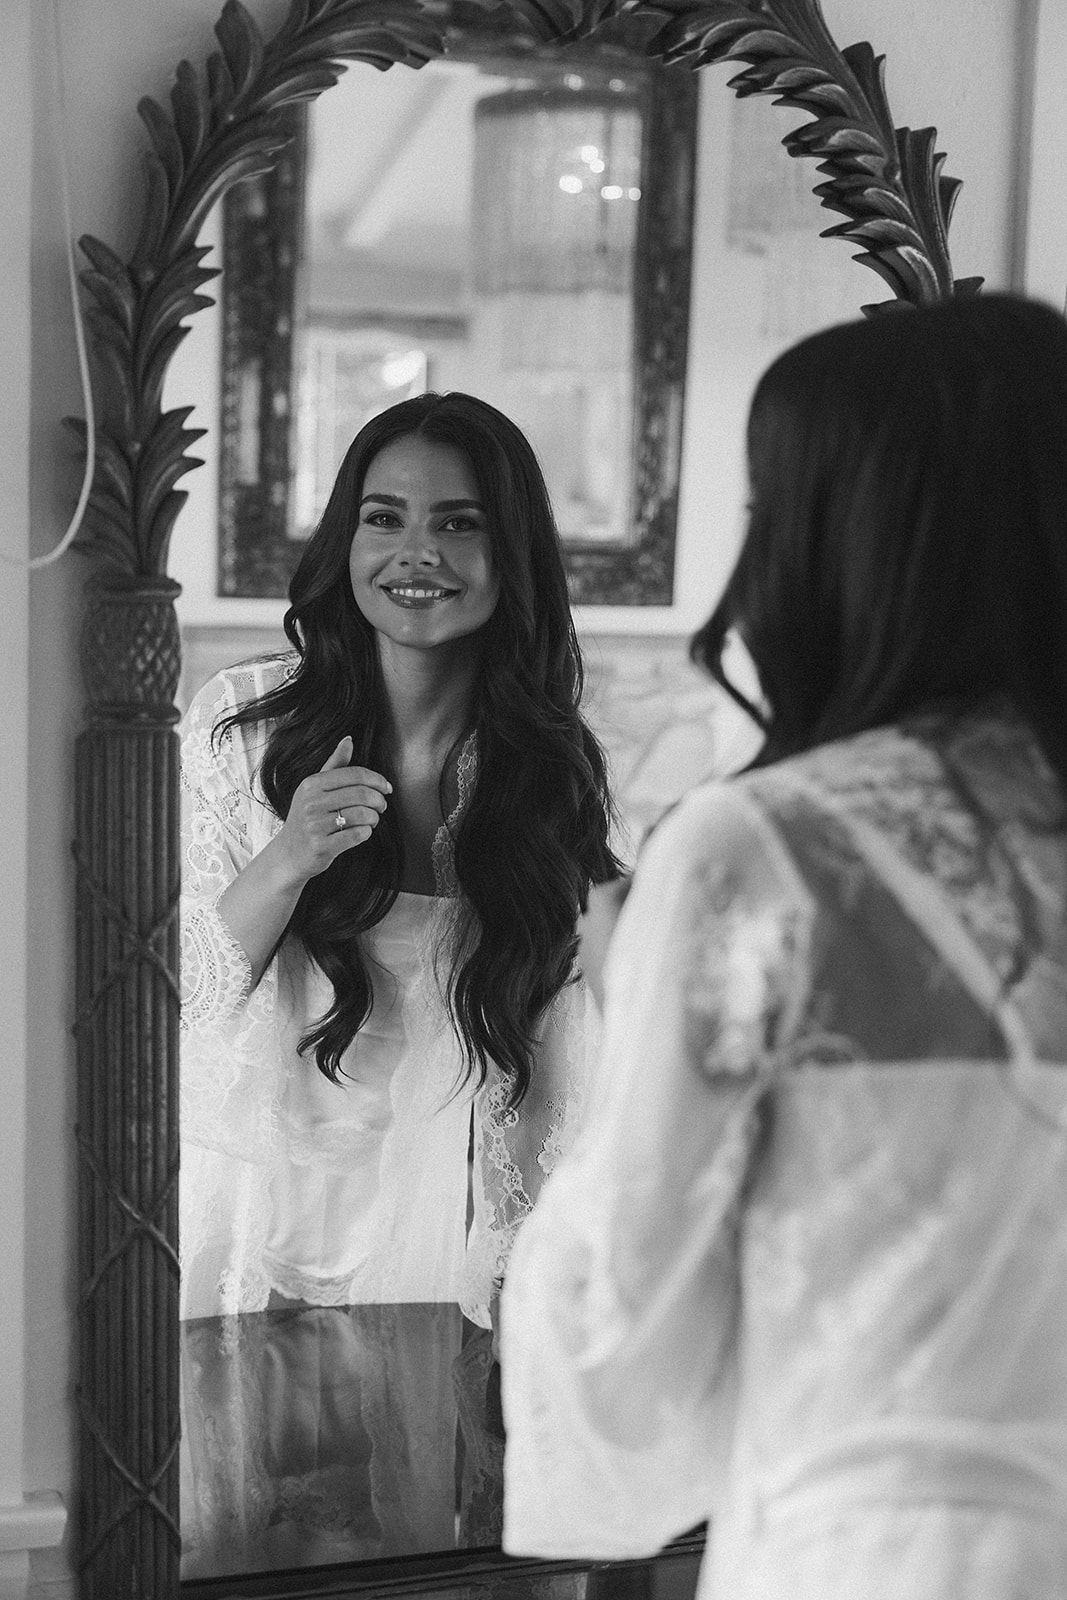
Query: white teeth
pixel 418 594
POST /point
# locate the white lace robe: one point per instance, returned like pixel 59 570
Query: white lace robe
pixel 352 1193
pixel 806 1269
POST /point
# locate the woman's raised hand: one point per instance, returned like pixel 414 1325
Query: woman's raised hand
pixel 332 810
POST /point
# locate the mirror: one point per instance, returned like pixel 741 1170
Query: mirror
pixel 225 125
pixel 516 224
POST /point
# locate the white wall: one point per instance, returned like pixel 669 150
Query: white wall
pixel 15 114
pixel 952 64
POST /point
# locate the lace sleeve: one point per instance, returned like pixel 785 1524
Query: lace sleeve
pixel 233 1073
pixel 216 803
pixel 230 1068
pixel 619 1306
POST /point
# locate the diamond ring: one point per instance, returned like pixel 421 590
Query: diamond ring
pixel 339 820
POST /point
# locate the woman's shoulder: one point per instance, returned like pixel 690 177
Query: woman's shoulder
pixel 746 825
pixel 210 744
pixel 902 772
pixel 238 685
pixel 885 765
pixel 892 777
pixel 716 838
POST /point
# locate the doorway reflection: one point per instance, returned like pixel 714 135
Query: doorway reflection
pixel 319 1435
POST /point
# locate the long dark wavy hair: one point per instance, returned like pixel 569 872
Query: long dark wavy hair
pixel 907 534
pixel 535 833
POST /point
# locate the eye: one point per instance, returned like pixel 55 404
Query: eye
pixel 460 522
pixel 385 520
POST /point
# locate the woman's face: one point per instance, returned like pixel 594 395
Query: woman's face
pixel 421 560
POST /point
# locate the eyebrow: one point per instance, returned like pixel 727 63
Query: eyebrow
pixel 439 505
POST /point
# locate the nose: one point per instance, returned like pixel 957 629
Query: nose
pixel 419 549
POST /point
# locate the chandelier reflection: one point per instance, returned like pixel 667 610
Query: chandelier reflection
pixel 557 181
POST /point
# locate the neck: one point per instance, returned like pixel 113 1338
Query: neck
pixel 428 694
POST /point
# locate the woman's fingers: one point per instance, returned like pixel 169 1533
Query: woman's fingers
pixel 332 810
pixel 352 794
pixel 348 838
pixel 328 780
pixel 351 817
pixel 341 756
pixel 337 773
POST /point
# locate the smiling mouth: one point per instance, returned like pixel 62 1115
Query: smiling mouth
pixel 416 595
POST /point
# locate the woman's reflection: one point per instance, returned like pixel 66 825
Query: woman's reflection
pixel 388 834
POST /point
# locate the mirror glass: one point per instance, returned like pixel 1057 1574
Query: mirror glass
pixel 482 225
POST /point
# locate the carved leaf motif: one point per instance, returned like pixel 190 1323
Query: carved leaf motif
pixel 220 87
pixel 153 370
pixel 556 19
pixel 902 216
pixel 175 294
pixel 114 307
pixel 242 45
pixel 191 107
pixel 165 141
pixel 157 204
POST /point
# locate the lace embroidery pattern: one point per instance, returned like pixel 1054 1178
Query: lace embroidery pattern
pixel 216 973
pixel 574 1024
pixel 901 784
pixel 506 1185
pixel 444 871
pixel 742 979
pixel 969 806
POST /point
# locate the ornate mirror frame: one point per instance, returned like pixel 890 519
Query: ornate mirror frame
pixel 224 124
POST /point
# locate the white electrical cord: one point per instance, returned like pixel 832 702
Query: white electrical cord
pixel 35 562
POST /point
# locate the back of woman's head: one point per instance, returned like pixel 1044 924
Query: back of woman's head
pixel 907 540
pixel 532 614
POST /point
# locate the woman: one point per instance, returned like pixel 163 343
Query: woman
pixel 807 1270
pixel 389 833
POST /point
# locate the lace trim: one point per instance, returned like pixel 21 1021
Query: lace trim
pixel 560 1116
pixel 216 973
pixel 498 1118
pixel 504 1196
pixel 575 1016
pixel 297 1284
pixel 336 1146
pixel 441 853
pixel 372 1281
pixel 501 1205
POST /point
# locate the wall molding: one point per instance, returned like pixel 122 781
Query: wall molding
pixel 38 1522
